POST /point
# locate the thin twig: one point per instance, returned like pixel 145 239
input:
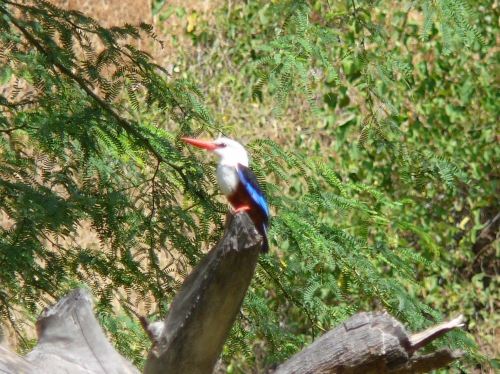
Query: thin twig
pixel 153 192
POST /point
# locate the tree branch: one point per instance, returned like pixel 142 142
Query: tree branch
pixel 372 343
pixel 205 308
pixel 70 340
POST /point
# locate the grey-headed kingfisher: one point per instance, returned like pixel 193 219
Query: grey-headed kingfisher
pixel 237 182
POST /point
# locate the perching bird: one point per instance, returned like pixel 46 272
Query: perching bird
pixel 237 182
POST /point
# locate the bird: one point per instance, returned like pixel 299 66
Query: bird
pixel 238 182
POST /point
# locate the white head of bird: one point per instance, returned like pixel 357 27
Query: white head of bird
pixel 230 152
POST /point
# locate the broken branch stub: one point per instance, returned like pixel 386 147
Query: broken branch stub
pixel 372 343
pixel 70 340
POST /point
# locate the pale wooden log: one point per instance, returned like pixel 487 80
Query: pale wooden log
pixel 70 340
pixel 372 343
pixel 12 363
pixel 204 309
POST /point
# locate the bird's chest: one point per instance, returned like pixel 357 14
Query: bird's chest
pixel 227 178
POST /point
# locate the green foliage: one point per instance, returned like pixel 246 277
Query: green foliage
pixel 306 53
pixel 379 200
pixel 410 109
pixel 292 54
pixel 75 161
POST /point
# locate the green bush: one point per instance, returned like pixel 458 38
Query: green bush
pixel 373 133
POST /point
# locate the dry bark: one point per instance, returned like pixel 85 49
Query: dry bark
pixel 204 309
pixel 70 340
pixel 202 313
pixel 372 343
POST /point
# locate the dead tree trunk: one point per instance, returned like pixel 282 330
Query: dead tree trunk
pixel 372 343
pixel 191 338
pixel 70 340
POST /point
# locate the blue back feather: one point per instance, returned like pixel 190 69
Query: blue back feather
pixel 252 186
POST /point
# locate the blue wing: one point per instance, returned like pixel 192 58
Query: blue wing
pixel 249 180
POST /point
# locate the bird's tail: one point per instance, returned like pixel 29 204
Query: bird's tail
pixel 265 242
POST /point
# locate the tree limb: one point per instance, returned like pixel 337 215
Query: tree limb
pixel 372 343
pixel 205 308
pixel 70 340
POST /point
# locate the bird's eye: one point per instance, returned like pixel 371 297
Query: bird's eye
pixel 222 145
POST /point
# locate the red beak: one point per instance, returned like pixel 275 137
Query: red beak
pixel 205 144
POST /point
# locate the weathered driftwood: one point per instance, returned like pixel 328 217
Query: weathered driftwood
pixel 70 340
pixel 191 337
pixel 372 343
